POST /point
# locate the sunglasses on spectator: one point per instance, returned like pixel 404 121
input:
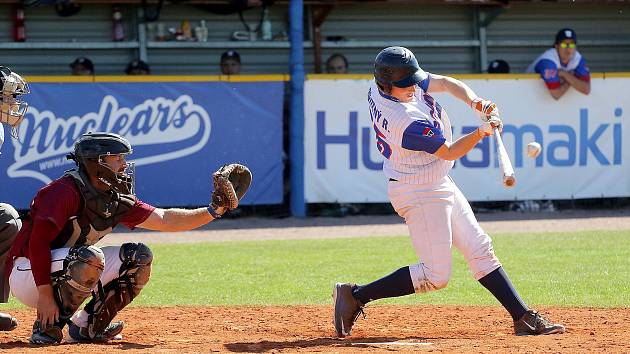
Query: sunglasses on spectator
pixel 567 45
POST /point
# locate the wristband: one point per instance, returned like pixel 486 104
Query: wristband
pixel 213 212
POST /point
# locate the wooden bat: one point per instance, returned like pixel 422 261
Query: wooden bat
pixel 509 180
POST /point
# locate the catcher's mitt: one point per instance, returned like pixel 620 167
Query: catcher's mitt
pixel 230 184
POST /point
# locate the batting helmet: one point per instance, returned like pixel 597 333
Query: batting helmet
pixel 88 153
pixel 397 66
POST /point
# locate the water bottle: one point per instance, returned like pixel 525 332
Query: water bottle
pixel 118 30
pixel 265 27
pixel 19 30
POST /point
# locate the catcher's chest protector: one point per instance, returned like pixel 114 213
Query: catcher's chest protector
pixel 100 213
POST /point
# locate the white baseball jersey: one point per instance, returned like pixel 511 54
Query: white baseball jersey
pixel 409 133
pixel 551 55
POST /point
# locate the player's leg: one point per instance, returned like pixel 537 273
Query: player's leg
pixel 426 210
pixel 74 272
pixel 127 270
pixel 10 224
pixel 476 246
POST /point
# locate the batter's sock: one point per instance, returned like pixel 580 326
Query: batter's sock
pixel 498 283
pixel 396 284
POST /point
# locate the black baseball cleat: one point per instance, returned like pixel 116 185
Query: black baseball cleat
pixel 532 323
pixel 7 322
pixel 80 334
pixel 347 308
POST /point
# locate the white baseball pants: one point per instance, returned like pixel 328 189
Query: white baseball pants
pixel 23 284
pixel 438 216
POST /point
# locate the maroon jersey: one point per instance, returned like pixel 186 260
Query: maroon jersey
pixel 53 224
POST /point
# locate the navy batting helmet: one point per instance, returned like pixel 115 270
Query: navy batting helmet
pixel 397 66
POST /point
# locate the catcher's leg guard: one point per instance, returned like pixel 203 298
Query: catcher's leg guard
pixel 82 268
pixel 10 224
pixel 134 274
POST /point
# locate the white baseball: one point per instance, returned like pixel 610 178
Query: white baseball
pixel 533 149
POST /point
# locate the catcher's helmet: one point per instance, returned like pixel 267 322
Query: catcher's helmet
pixel 397 66
pixel 88 153
pixel 12 110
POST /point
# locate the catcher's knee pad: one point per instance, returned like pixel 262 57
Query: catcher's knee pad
pixel 482 260
pixel 425 279
pixel 135 272
pixel 81 271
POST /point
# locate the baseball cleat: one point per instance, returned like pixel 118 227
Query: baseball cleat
pixel 7 322
pixel 111 332
pixel 533 323
pixel 51 335
pixel 347 308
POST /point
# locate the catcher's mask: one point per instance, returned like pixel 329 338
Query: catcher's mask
pixel 90 152
pixel 12 110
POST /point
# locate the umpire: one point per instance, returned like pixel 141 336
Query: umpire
pixel 12 112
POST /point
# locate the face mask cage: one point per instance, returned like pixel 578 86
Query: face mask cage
pixel 12 110
pixel 120 181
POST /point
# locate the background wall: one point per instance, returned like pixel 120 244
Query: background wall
pixel 445 37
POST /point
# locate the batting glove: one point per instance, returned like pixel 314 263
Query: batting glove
pixel 487 127
pixel 484 108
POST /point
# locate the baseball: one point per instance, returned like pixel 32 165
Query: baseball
pixel 533 149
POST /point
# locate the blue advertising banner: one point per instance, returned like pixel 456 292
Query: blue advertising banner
pixel 180 133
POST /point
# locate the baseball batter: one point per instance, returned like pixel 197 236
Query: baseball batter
pixel 562 66
pixel 53 265
pixel 12 111
pixel 414 135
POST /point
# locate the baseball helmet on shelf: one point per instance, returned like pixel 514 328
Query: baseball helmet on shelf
pixel 88 155
pixel 397 66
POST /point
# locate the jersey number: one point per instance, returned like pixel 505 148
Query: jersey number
pixel 382 146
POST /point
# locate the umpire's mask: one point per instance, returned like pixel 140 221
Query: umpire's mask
pixel 90 152
pixel 12 110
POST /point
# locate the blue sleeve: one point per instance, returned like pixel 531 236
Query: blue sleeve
pixel 548 72
pixel 422 136
pixel 582 72
pixel 424 84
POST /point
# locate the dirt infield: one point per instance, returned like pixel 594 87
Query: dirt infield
pixel 309 329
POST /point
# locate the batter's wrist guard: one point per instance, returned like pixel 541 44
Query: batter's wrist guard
pixel 213 212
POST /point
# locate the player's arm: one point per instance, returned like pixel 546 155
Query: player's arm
pixel 440 83
pixel 582 86
pixel 559 91
pixel 455 150
pixel 177 219
pixel 550 74
pixel 43 232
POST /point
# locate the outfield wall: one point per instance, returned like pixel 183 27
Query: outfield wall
pixel 181 132
pixel 582 137
pixel 183 128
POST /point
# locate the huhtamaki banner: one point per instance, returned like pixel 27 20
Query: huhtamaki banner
pixel 582 140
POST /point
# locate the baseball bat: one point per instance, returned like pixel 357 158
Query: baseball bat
pixel 509 180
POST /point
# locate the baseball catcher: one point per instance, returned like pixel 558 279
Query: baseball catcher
pixel 12 112
pixel 53 265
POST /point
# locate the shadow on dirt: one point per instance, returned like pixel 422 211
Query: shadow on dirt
pixel 265 346
pixel 114 344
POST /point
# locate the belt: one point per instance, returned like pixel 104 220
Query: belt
pixel 393 180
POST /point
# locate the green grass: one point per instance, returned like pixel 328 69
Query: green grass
pixel 578 269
